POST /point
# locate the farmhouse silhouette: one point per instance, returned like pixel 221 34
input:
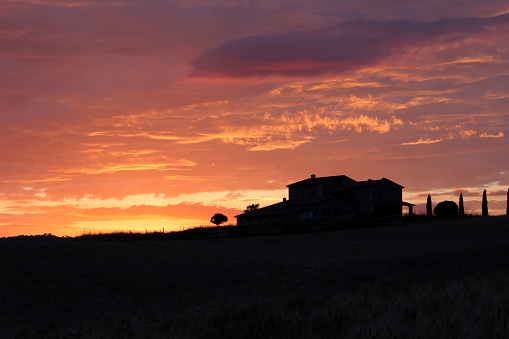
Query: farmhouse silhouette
pixel 332 197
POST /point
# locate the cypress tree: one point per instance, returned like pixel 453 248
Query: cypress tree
pixel 507 208
pixel 461 208
pixel 429 210
pixel 484 204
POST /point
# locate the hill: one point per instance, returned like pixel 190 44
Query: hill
pixel 437 278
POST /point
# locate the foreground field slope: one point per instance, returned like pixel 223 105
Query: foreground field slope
pixel 172 287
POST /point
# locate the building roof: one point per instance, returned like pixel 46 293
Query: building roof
pixel 284 207
pixel 371 182
pixel 318 180
pixel 313 180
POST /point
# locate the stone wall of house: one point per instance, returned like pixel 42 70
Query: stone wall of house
pixel 323 210
pixel 362 197
pixel 374 198
pixel 305 191
pixel 388 191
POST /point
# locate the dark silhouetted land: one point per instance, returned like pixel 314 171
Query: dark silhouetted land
pixel 439 278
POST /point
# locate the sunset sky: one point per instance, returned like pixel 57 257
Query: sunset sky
pixel 143 115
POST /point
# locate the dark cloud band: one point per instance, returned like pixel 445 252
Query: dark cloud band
pixel 348 46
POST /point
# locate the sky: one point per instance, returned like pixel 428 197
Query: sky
pixel 148 115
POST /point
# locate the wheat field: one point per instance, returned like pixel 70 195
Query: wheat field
pixel 440 278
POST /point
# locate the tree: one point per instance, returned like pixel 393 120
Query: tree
pixel 484 204
pixel 507 208
pixel 429 210
pixel 218 219
pixel 446 209
pixel 461 208
pixel 251 208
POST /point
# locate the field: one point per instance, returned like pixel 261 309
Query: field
pixel 440 278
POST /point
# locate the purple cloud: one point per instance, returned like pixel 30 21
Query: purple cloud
pixel 348 46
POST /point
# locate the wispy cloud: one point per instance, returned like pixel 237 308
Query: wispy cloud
pixel 291 130
pixel 487 135
pixel 423 141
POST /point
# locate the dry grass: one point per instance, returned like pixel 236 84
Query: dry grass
pixel 469 308
pixel 441 279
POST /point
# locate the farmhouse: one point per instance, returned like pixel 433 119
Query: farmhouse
pixel 331 197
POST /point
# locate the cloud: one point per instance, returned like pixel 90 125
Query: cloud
pixel 487 135
pixel 346 47
pixel 423 141
pixel 291 130
pixel 263 132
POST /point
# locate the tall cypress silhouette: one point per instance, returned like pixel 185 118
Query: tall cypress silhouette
pixel 461 208
pixel 429 210
pixel 484 204
pixel 507 208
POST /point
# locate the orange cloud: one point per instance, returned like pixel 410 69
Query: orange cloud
pixel 487 135
pixel 423 141
pixel 465 134
pixel 291 130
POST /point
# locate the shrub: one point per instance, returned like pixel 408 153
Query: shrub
pixel 446 209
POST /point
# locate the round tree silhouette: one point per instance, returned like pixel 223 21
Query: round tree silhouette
pixel 446 209
pixel 218 219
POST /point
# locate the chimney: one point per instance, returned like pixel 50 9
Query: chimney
pixel 313 176
pixel 284 199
